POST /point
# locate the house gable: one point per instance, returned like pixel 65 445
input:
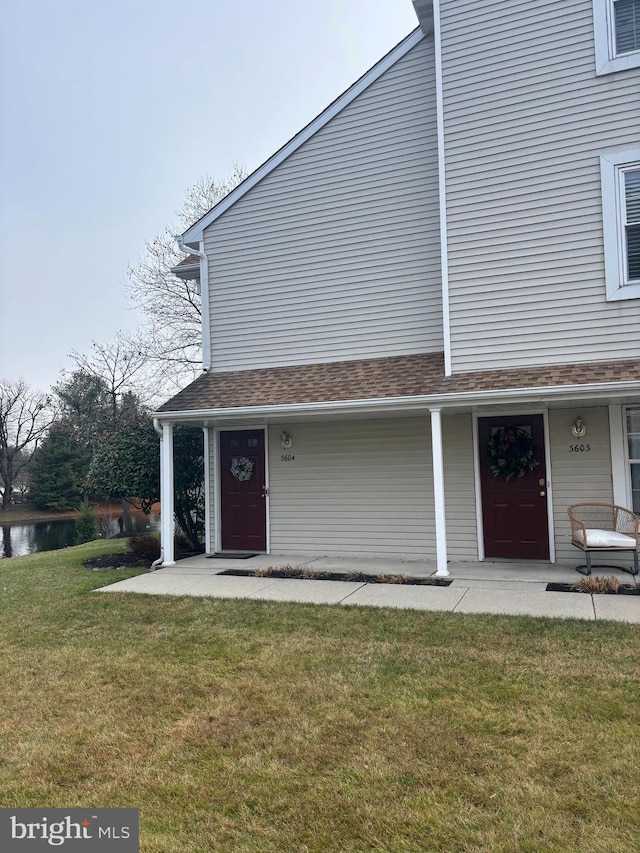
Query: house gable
pixel 193 235
pixel 334 253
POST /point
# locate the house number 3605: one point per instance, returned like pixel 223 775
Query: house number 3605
pixel 579 448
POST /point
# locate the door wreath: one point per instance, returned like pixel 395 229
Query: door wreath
pixel 242 468
pixel 511 453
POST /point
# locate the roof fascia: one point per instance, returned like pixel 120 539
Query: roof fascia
pixel 194 235
pixel 187 272
pixel 424 13
pixel 600 390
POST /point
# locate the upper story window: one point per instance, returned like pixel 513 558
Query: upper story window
pixel 620 174
pixel 617 34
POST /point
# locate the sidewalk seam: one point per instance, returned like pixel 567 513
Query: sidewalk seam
pixel 459 601
pixel 353 591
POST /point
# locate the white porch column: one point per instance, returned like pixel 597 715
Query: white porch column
pixel 438 493
pixel 207 493
pixel 166 495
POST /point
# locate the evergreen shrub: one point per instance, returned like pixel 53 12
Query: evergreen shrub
pixel 87 528
pixel 146 547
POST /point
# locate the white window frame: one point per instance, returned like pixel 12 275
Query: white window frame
pixel 627 457
pixel 607 61
pixel 613 165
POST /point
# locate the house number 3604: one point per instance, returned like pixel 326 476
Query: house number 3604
pixel 579 448
pixel 287 457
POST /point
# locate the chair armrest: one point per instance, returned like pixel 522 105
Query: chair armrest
pixel 578 532
pixel 627 522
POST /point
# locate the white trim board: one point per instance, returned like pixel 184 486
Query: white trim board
pixel 194 235
pixel 620 468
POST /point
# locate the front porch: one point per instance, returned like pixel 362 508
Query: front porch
pixel 388 457
pixel 503 588
pixel 499 573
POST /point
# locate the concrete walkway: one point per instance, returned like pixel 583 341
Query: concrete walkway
pixel 516 589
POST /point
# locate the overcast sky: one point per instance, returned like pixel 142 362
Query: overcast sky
pixel 111 109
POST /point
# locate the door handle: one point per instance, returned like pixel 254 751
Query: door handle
pixel 542 494
pixel 265 491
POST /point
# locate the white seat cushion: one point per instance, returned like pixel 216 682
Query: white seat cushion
pixel 605 539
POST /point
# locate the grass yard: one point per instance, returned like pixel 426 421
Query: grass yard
pixel 260 726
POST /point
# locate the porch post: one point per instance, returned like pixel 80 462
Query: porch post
pixel 166 495
pixel 207 493
pixel 438 494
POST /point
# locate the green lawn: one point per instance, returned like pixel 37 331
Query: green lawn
pixel 259 726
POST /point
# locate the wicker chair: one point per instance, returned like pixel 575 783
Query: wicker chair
pixel 604 527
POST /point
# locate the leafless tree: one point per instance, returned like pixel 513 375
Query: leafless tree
pixel 119 365
pixel 171 306
pixel 25 416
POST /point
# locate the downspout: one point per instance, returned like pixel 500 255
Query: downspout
pixel 204 297
pixel 442 190
pixel 157 563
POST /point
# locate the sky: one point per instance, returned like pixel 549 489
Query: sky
pixel 111 109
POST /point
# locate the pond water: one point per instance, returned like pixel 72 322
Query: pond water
pixel 20 539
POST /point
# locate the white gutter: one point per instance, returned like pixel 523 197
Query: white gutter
pixel 204 299
pixel 422 401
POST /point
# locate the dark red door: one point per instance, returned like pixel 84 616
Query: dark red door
pixel 514 511
pixel 242 491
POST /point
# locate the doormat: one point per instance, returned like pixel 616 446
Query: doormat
pixel 234 556
pixel 315 575
pixel 623 589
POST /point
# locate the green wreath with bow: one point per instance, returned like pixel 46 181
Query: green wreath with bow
pixel 511 453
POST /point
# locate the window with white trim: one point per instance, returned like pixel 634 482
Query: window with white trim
pixel 620 176
pixel 616 25
pixel 633 452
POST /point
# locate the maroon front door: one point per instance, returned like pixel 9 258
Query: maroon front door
pixel 514 511
pixel 243 515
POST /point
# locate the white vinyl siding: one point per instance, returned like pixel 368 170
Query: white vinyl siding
pixel 359 488
pixel 366 488
pixel 334 255
pixel 525 122
pixel 459 486
pixel 578 476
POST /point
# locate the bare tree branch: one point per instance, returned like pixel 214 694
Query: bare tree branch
pixel 25 416
pixel 172 328
pixel 117 363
